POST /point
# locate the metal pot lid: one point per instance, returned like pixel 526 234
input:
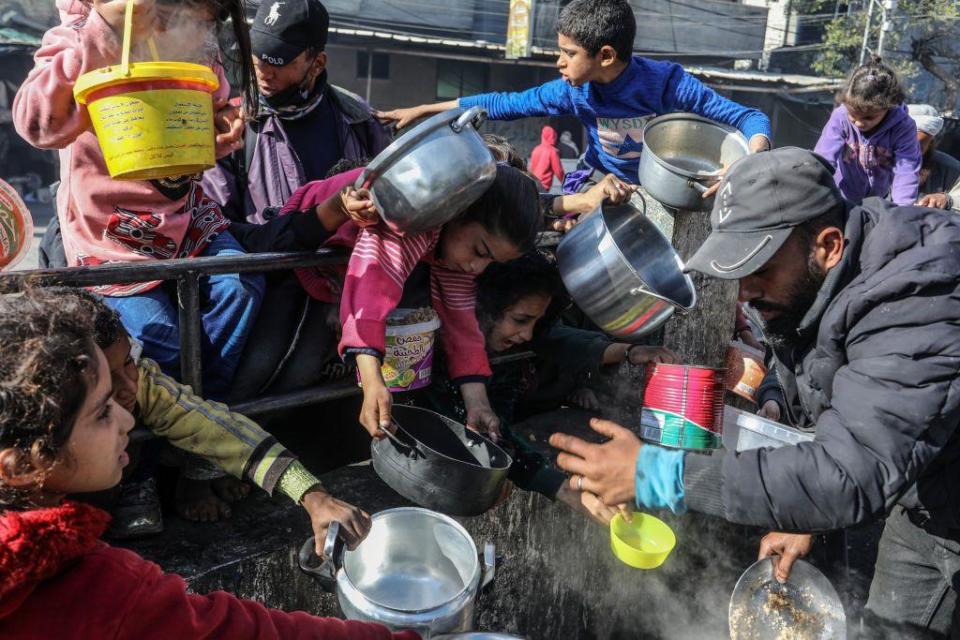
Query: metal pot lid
pixel 399 147
pixel 688 117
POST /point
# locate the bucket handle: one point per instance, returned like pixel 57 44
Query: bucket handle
pixel 128 37
pixel 472 116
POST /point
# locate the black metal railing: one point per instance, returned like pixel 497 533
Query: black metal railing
pixel 187 273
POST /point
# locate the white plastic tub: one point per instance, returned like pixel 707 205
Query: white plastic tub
pixel 750 431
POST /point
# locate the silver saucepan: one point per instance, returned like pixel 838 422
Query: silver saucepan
pixel 623 272
pixel 417 569
pixel 432 173
pixel 683 155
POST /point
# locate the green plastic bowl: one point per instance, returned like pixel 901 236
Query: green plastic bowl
pixel 643 543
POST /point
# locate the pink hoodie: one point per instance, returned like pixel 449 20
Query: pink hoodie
pixel 103 220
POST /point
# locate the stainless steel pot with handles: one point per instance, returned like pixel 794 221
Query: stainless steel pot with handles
pixel 432 173
pixel 417 569
pixel 683 155
pixel 623 272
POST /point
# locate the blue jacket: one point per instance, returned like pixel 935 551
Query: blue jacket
pixel 614 114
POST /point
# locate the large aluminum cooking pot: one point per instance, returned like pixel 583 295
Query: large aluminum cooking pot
pixel 683 155
pixel 439 464
pixel 431 173
pixel 623 272
pixel 417 569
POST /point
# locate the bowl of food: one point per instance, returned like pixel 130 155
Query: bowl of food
pixel 642 543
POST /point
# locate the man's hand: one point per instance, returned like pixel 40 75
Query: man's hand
pixel 229 125
pixel 377 400
pixel 787 547
pixel 934 201
pixel 358 205
pixel 606 470
pixel 770 410
pixel 610 188
pixel 145 20
pixel 325 509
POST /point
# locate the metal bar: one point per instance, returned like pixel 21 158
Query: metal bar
pixel 188 305
pixel 369 73
pixel 123 273
pixel 332 391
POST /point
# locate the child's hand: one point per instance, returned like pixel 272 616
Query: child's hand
pixel 934 201
pixel 400 118
pixel 377 401
pixel 647 355
pixel 229 124
pixel 613 189
pixel 565 224
pixel 325 509
pixel 358 205
pixel 145 20
pixel 585 399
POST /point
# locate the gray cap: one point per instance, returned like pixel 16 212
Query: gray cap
pixel 761 199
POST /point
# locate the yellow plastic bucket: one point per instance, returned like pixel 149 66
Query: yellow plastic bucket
pixel 152 119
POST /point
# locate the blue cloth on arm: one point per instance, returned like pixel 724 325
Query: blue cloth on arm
pixel 659 479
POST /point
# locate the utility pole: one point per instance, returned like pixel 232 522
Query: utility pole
pixel 886 25
pixel 866 32
pixel 887 10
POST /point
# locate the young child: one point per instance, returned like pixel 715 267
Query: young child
pixel 63 432
pixel 500 226
pixel 105 220
pixel 231 441
pixel 871 140
pixel 612 93
pixel 518 306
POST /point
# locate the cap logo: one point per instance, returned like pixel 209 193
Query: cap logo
pixel 277 62
pixel 274 14
pixel 725 209
pixel 716 266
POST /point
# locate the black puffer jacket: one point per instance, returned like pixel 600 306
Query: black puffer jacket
pixel 877 370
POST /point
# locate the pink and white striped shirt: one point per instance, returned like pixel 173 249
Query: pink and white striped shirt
pixel 380 263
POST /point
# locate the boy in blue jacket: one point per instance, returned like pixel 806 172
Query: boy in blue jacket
pixel 612 93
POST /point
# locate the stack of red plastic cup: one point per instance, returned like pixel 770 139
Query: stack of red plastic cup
pixel 683 406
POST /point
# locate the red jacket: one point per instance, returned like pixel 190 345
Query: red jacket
pixel 380 263
pixel 58 580
pixel 545 159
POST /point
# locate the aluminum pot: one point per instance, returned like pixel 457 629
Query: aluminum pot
pixel 623 272
pixel 683 155
pixel 417 569
pixel 432 173
pixel 439 464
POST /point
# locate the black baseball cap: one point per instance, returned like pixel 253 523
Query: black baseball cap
pixel 760 201
pixel 283 29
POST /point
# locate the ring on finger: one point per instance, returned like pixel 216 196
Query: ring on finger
pixel 579 483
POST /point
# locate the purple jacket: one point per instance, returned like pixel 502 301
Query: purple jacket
pixel 885 163
pixel 273 170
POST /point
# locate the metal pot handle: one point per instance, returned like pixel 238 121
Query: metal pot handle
pixel 701 187
pixel 474 116
pixel 333 548
pixel 489 567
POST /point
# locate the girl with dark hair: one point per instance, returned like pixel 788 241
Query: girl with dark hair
pixel 62 432
pixel 499 226
pixel 870 139
pixel 519 305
